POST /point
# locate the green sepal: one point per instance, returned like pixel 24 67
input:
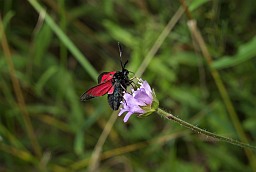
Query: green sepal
pixel 155 103
pixel 150 108
pixel 146 114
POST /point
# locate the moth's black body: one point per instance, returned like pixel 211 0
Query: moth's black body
pixel 120 82
pixel 112 83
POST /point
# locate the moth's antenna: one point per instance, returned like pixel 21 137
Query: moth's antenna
pixel 125 63
pixel 120 50
pixel 120 54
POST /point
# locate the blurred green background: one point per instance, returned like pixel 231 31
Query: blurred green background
pixel 53 50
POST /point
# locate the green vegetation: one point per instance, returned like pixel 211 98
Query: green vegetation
pixel 52 51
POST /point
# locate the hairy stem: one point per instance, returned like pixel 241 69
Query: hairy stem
pixel 170 116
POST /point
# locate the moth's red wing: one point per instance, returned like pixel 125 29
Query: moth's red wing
pixel 98 90
pixel 105 76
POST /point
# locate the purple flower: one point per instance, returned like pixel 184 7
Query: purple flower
pixel 139 102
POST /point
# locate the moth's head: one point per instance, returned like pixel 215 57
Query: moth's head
pixel 125 72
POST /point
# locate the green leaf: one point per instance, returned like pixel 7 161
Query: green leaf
pixel 245 53
pixel 120 34
pixel 44 78
pixel 196 4
pixel 42 41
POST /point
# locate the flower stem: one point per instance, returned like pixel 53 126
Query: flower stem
pixel 169 116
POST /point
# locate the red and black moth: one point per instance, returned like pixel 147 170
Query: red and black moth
pixel 112 83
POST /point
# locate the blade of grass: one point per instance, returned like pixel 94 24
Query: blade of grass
pixel 10 137
pixel 65 40
pixel 246 52
pixel 53 122
pixel 63 24
pixel 21 154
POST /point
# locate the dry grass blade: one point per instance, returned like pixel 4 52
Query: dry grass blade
pixel 94 162
pixel 130 148
pixel 18 92
pixel 21 154
pixel 159 41
pixel 222 89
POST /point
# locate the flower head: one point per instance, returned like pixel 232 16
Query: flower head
pixel 141 102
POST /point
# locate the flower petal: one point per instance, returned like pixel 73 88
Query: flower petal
pixel 129 100
pixel 142 96
pixel 147 88
pixel 127 116
pixel 136 109
pixel 122 111
pixel 127 97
